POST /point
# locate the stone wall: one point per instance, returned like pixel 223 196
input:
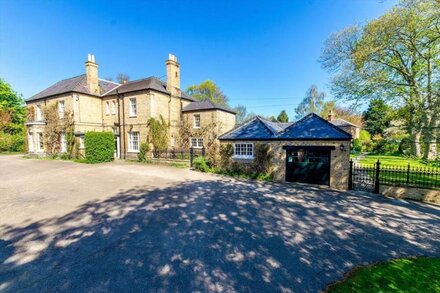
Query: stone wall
pixel 420 194
pixel 339 160
pixel 353 130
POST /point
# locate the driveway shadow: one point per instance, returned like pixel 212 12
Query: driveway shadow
pixel 212 236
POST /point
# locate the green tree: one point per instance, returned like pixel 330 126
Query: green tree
pixel 377 117
pixel 12 110
pixel 283 117
pixel 242 114
pixel 312 103
pixel 272 118
pixel 395 57
pixel 208 90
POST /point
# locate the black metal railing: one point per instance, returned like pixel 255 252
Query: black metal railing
pixel 422 177
pixel 179 154
pixel 369 177
pixel 172 154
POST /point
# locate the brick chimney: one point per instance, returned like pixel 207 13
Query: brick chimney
pixel 92 74
pixel 330 116
pixel 173 75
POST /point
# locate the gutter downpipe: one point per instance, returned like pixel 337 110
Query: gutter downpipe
pixel 119 120
pixel 123 120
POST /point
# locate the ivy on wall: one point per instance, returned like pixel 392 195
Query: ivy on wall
pixel 209 133
pixel 55 127
pixel 158 133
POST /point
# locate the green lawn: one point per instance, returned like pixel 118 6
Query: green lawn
pixel 399 275
pixel 393 161
pixel 394 169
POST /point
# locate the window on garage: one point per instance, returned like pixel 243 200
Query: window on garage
pixel 244 150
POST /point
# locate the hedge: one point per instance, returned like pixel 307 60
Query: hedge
pixel 11 142
pixel 100 146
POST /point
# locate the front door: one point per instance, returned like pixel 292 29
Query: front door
pixel 308 166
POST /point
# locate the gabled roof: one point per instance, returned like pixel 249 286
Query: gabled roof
pixel 311 127
pixel 341 123
pixel 205 105
pixel 74 84
pixel 141 84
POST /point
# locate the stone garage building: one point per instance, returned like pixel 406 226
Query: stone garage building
pixel 311 150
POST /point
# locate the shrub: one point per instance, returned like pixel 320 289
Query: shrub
pixel 100 146
pixel 366 142
pixel 262 159
pixel 226 153
pixel 213 154
pixel 357 145
pixel 143 150
pixel 11 142
pixel 200 164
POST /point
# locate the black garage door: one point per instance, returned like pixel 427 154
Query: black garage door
pixel 308 165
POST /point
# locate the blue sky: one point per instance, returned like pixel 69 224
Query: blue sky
pixel 263 54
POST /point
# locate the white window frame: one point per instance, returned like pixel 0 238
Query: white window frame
pixel 39 113
pixel 132 147
pixel 198 142
pixel 197 120
pixel 61 109
pixel 243 150
pixel 63 143
pixel 81 142
pixel 107 108
pixel 40 143
pixel 113 107
pixel 133 107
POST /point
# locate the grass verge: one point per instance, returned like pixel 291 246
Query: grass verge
pixel 398 275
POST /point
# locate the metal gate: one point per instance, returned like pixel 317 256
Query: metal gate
pixel 363 177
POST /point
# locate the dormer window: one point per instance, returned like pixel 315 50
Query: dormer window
pixel 197 121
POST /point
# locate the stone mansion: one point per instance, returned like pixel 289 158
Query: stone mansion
pixel 96 104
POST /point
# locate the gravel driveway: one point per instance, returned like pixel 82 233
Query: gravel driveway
pixel 121 227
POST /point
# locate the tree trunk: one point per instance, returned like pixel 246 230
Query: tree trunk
pixel 416 149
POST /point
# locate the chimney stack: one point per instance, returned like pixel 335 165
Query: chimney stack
pixel 330 116
pixel 92 74
pixel 173 75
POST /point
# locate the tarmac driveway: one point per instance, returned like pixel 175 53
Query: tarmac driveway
pixel 121 227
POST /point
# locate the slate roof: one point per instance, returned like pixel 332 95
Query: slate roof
pixel 205 105
pixel 341 123
pixel 79 84
pixel 311 127
pixel 151 82
pixel 74 84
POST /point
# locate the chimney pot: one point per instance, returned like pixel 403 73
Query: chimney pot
pixel 330 116
pixel 92 74
pixel 173 75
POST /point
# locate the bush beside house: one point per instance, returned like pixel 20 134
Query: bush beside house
pixel 99 146
pixel 259 168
